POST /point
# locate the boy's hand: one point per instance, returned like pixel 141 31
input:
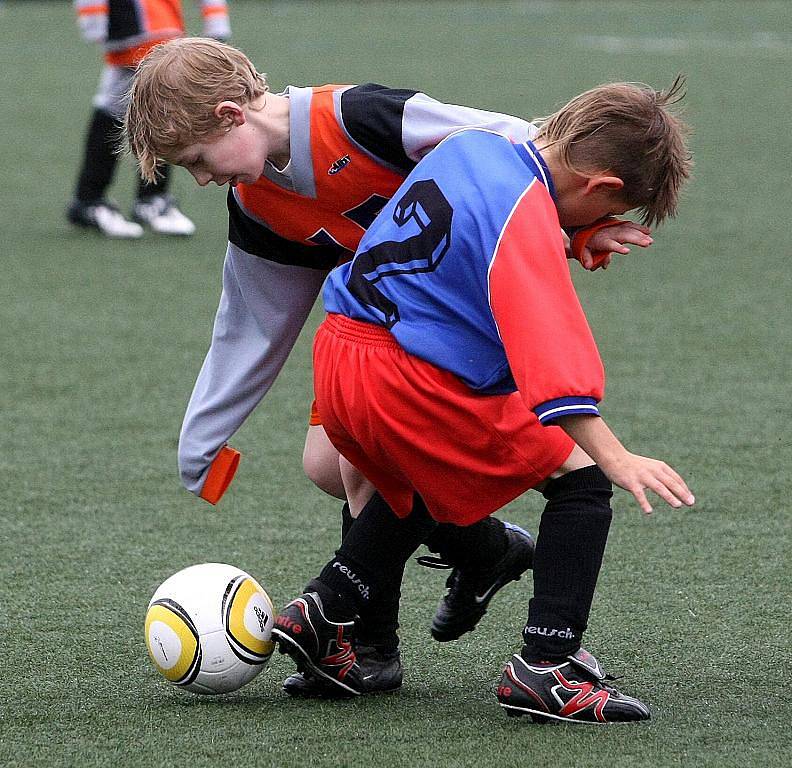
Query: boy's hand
pixel 636 474
pixel 628 470
pixel 594 246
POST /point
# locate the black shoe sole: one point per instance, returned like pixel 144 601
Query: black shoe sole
pixel 317 690
pixel 312 688
pixel 447 633
pixel 443 636
pixel 543 718
pixel 287 645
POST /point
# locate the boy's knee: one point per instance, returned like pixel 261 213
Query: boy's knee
pixel 588 480
pixel 577 459
pixel 324 473
pixel 358 489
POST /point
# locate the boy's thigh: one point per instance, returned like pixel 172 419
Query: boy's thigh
pixel 320 461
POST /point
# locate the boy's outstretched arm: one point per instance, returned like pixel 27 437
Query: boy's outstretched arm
pixel 263 308
pixel 634 473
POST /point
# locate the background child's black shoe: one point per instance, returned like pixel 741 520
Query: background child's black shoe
pixel 323 647
pixel 380 672
pixel 573 691
pixel 470 591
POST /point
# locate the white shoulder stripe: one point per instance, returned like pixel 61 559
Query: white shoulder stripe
pixel 538 162
pixel 426 122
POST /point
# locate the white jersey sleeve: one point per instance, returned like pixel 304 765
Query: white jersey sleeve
pixel 399 126
pixel 262 310
pixel 426 122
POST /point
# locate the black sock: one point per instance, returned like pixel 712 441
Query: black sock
pixel 158 187
pixel 478 546
pixel 569 548
pixel 99 157
pixel 378 621
pixel 371 559
pixel 346 520
pixel 336 607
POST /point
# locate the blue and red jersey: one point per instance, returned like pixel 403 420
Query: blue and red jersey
pixel 466 267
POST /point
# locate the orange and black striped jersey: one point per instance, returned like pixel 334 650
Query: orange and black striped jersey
pixel 351 147
pixel 335 194
pixel 316 215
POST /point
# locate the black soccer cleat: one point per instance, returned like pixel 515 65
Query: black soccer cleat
pixel 572 691
pixel 470 591
pixel 322 647
pixel 381 672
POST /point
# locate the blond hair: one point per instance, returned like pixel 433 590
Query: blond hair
pixel 174 92
pixel 628 130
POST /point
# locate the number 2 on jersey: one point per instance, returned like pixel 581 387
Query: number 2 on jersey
pixel 426 206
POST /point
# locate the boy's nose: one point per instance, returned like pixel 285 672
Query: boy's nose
pixel 202 178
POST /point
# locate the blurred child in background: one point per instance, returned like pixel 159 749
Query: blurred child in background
pixel 128 29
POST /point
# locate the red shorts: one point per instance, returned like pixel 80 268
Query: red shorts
pixel 409 426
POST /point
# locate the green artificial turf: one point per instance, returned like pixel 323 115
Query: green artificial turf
pixel 101 342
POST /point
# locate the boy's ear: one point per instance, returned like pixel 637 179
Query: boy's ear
pixel 603 183
pixel 229 112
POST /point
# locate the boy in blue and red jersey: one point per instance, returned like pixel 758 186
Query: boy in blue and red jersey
pixel 459 297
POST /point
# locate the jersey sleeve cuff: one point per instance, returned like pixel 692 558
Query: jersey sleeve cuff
pixel 566 406
pixel 220 475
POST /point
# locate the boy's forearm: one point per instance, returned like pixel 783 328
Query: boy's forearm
pixel 634 473
pixel 262 310
pixel 594 436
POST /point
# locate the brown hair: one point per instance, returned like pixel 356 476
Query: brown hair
pixel 627 129
pixel 174 92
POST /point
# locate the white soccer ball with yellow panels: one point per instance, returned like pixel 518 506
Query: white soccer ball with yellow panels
pixel 209 627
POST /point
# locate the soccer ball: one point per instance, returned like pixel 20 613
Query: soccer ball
pixel 208 628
